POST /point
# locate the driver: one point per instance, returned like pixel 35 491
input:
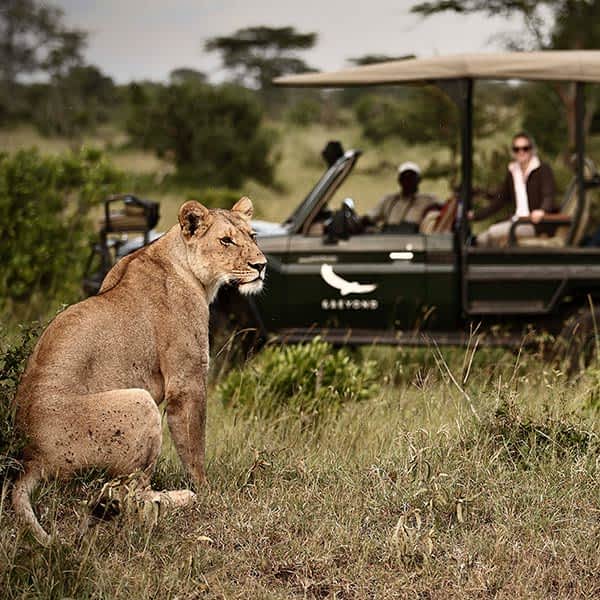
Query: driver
pixel 404 209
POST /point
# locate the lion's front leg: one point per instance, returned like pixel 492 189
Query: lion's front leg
pixel 186 415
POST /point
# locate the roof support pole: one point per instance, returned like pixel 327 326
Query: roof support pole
pixel 579 148
pixel 466 190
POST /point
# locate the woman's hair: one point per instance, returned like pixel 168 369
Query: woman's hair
pixel 527 136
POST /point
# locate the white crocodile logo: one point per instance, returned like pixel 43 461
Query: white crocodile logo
pixel 345 287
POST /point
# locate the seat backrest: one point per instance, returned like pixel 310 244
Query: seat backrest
pixel 572 234
pixel 447 215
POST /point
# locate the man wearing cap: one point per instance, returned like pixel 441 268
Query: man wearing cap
pixel 403 210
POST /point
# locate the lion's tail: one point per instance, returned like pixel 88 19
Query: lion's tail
pixel 21 499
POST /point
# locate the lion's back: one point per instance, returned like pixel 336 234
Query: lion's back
pixel 92 346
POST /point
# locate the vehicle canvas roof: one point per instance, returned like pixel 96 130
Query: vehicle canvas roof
pixel 547 65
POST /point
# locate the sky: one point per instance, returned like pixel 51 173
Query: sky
pixel 146 39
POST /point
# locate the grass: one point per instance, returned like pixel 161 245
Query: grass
pixel 430 489
pixel 299 167
pixel 464 476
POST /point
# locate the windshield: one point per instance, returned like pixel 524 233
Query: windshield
pixel 326 181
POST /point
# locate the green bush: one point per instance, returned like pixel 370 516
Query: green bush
pixel 13 357
pixel 544 117
pixel 304 112
pixel 379 116
pixel 44 224
pixel 215 134
pixel 309 379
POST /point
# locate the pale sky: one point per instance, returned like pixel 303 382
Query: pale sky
pixel 146 39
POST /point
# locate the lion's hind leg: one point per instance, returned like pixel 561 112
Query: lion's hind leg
pixel 118 430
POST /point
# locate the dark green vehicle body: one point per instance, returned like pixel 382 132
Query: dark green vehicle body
pixel 412 288
pixel 395 288
pixel 409 289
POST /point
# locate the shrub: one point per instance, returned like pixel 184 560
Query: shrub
pixel 544 118
pixel 304 112
pixel 13 357
pixel 526 441
pixel 44 225
pixel 308 379
pixel 379 116
pixel 215 134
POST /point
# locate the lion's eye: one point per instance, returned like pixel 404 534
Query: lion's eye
pixel 226 241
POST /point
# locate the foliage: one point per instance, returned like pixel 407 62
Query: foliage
pixel 13 357
pixel 259 54
pixel 219 197
pixel 44 226
pixel 34 40
pixel 526 439
pixel 73 103
pixel 183 74
pixel 214 134
pixel 304 112
pixel 544 117
pixel 371 59
pixel 549 24
pixel 412 491
pixel 308 379
pixel 428 115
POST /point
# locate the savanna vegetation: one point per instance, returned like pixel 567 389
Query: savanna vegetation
pixel 334 473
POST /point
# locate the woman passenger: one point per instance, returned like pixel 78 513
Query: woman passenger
pixel 529 187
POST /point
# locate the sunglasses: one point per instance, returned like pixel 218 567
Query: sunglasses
pixel 516 149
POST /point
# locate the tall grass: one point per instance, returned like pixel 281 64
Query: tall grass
pixel 447 482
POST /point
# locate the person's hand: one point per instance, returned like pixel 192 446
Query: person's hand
pixel 536 215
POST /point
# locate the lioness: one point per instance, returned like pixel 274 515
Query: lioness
pixel 89 394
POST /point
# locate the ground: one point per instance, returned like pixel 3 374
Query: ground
pixel 450 482
pixel 465 475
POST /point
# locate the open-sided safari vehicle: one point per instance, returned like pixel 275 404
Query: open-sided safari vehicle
pixel 395 287
pixel 127 224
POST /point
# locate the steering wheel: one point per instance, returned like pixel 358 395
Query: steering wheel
pixel 344 222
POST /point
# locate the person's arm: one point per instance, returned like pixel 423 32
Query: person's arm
pixel 377 214
pixel 548 189
pixel 498 201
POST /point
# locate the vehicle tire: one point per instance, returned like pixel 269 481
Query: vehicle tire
pixel 578 343
pixel 235 336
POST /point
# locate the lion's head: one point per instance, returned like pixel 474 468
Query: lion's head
pixel 221 246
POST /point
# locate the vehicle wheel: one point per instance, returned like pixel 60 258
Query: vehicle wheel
pixel 234 336
pixel 579 340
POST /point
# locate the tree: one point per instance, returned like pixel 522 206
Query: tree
pixel 77 101
pixel 185 74
pixel 214 134
pixel 33 40
pixel 257 55
pixel 371 59
pixel 572 24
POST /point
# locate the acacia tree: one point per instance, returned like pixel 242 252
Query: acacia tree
pixel 33 40
pixel 549 24
pixel 256 55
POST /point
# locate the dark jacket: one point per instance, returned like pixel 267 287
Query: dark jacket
pixel 541 191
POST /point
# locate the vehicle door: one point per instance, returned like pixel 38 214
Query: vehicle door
pixel 369 281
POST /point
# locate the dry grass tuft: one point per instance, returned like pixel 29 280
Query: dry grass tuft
pixel 408 494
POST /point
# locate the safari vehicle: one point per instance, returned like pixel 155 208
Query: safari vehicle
pixel 391 287
pixel 411 288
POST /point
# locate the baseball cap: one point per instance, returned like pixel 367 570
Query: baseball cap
pixel 409 166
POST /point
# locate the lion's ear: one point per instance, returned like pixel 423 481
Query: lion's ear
pixel 244 206
pixel 192 217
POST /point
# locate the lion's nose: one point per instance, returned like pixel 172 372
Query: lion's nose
pixel 258 266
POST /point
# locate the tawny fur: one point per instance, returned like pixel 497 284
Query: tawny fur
pixel 90 393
